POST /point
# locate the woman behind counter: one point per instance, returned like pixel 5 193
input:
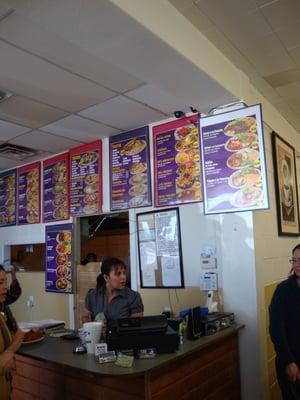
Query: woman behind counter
pixel 10 339
pixel 111 297
pixel 285 329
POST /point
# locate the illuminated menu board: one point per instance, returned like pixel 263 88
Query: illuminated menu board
pixel 29 194
pixel 234 172
pixel 8 181
pixel 177 166
pixel 56 188
pixel 86 179
pixel 130 170
pixel 59 258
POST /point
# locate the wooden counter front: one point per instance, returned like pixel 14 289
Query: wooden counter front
pixel 206 369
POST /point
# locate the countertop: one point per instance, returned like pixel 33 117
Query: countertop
pixel 59 351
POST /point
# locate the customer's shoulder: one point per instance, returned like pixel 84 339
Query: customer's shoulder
pixel 286 284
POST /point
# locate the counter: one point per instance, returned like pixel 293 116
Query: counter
pixel 207 368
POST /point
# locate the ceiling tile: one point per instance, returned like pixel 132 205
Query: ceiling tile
pixel 295 54
pixel 6 163
pixel 81 129
pixel 290 91
pixel 39 157
pixel 157 98
pixel 281 14
pixel 35 78
pixel 38 40
pixel 290 36
pixel 9 130
pixel 45 141
pixel 30 113
pixel 122 113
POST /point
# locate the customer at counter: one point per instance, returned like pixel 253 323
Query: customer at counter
pixel 111 297
pixel 285 329
pixel 10 339
pixel 14 291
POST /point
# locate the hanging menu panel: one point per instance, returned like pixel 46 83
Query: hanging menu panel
pixel 130 170
pixel 8 198
pixel 59 258
pixel 177 167
pixel 56 188
pixel 29 194
pixel 234 172
pixel 86 179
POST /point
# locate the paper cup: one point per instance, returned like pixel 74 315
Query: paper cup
pixel 92 335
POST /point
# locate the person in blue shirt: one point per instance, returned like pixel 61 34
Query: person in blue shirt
pixel 284 313
pixel 111 297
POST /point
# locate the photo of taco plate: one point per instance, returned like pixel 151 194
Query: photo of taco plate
pixel 245 177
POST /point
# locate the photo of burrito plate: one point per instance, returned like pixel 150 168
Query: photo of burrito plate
pixel 138 168
pixel 134 146
pixel 137 201
pixel 137 179
pixel 88 159
pixel 247 197
pixel 244 178
pixel 137 190
pixel 61 283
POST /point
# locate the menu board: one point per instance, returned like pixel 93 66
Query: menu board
pixel 130 170
pixel 234 173
pixel 56 188
pixel 29 209
pixel 177 167
pixel 160 255
pixel 8 182
pixel 59 258
pixel 86 179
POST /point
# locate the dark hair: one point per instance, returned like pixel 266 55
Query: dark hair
pixel 2 268
pixel 91 257
pixel 296 248
pixel 106 267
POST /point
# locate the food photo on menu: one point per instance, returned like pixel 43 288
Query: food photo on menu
pixel 8 198
pixel 129 170
pixel 233 168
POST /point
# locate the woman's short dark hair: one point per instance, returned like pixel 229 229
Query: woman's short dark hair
pixel 296 248
pixel 2 268
pixel 106 267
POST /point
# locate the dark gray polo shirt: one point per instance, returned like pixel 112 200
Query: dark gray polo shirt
pixel 126 303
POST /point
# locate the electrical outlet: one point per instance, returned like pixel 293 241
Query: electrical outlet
pixel 30 302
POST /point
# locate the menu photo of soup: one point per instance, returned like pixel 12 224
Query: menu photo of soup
pixel 29 188
pixel 86 179
pixel 56 188
pixel 177 165
pixel 234 173
pixel 129 170
pixel 8 198
pixel 59 260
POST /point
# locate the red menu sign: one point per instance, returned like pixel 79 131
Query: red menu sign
pixel 56 188
pixel 29 192
pixel 177 167
pixel 86 179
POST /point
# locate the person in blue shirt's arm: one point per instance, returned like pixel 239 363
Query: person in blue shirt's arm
pixel 285 329
pixel 111 297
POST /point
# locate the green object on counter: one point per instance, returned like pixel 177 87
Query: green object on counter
pixel 124 361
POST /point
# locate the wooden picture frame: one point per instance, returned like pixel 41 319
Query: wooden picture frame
pixel 285 187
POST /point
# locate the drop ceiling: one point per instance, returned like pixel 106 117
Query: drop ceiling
pixel 78 72
pixel 262 38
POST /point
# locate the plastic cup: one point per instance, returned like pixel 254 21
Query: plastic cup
pixel 92 335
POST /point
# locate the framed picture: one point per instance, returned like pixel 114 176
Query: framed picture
pixel 285 186
pixel 159 244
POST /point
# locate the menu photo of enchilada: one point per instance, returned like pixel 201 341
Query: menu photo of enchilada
pixel 241 141
pixel 133 147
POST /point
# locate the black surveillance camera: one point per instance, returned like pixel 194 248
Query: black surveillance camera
pixel 179 114
pixel 193 109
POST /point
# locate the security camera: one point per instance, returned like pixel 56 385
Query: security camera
pixel 179 114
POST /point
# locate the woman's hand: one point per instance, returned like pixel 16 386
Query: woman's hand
pixel 7 362
pixel 292 372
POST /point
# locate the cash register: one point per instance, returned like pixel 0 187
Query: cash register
pixel 139 333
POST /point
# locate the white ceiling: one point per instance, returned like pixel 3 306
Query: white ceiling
pixel 78 72
pixel 262 38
